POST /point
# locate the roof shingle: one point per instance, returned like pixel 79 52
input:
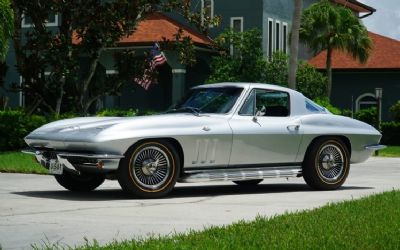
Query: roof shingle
pixel 385 54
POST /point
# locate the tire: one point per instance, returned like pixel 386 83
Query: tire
pixel 149 170
pixel 79 183
pixel 326 165
pixel 248 183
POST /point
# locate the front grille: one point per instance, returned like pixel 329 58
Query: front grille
pixel 51 155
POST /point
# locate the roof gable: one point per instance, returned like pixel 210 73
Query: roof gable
pixel 385 54
pixel 154 28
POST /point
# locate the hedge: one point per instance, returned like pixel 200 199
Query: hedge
pixel 391 133
pixel 14 126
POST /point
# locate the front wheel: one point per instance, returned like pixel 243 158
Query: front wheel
pixel 79 182
pixel 326 165
pixel 149 170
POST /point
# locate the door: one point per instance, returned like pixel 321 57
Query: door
pixel 263 130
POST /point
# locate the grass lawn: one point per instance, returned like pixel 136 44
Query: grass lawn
pixel 390 151
pixel 17 162
pixel 369 223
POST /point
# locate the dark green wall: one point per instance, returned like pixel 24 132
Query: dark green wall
pixel 353 84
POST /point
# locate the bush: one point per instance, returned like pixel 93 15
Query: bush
pixel 369 116
pixel 14 126
pixel 324 102
pixel 395 110
pixel 391 133
pixel 310 82
pixel 117 112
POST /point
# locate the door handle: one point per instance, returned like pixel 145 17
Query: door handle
pixel 205 128
pixel 294 127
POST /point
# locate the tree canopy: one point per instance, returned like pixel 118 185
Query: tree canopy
pixel 63 62
pixel 6 26
pixel 326 26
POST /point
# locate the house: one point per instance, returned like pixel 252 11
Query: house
pixel 354 84
pixel 273 17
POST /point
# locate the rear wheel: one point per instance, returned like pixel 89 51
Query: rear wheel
pixel 79 182
pixel 248 182
pixel 149 170
pixel 326 165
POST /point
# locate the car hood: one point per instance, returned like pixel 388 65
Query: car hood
pixel 91 129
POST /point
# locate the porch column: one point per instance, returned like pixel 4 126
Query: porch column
pixel 178 84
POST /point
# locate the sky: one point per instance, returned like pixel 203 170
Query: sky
pixel 386 20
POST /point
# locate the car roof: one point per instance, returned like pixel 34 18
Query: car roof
pixel 247 85
pixel 298 106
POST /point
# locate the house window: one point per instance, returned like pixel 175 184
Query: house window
pixel 277 35
pixel 284 38
pixel 270 38
pixel 207 10
pixel 52 21
pixel 365 101
pixel 236 26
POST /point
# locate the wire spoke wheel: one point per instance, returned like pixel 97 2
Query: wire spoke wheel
pixel 151 167
pixel 330 165
pixel 326 164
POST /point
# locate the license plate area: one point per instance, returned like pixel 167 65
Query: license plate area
pixel 55 167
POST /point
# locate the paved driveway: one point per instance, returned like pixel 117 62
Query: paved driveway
pixel 35 208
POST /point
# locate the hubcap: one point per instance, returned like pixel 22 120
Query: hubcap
pixel 151 167
pixel 330 162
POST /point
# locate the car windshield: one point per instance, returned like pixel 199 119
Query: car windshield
pixel 208 100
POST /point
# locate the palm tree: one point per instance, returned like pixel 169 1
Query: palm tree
pixel 326 26
pixel 294 43
pixel 6 26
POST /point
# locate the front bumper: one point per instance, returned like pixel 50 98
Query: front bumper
pixel 82 162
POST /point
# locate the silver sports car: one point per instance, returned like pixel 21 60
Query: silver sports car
pixel 240 132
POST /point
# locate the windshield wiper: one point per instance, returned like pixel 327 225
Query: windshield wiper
pixel 192 110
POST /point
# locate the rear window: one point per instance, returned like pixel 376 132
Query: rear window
pixel 313 107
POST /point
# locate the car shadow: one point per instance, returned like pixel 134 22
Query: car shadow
pixel 179 192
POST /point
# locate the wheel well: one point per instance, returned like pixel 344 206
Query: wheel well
pixel 172 141
pixel 342 138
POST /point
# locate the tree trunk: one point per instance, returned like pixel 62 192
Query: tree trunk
pixel 294 43
pixel 84 96
pixel 329 70
pixel 60 96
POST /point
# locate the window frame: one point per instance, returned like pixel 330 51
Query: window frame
pixel 278 36
pixel 255 102
pixel 211 11
pixel 47 24
pixel 232 19
pixel 270 37
pixel 284 39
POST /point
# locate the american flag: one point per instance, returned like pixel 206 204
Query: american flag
pixel 156 58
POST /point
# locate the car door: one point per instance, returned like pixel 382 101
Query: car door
pixel 263 130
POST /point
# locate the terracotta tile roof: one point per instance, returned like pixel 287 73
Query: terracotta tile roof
pixel 385 54
pixel 154 28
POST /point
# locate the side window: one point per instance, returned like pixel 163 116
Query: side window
pixel 266 103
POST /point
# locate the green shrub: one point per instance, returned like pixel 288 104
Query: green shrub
pixel 117 112
pixel 14 126
pixel 310 82
pixel 369 116
pixel 391 133
pixel 395 110
pixel 324 102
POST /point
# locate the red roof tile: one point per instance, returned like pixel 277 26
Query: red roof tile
pixel 154 28
pixel 385 54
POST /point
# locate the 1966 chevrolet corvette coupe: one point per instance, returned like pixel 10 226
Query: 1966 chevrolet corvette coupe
pixel 240 132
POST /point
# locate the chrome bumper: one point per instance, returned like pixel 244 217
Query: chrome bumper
pixel 374 147
pixel 77 161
